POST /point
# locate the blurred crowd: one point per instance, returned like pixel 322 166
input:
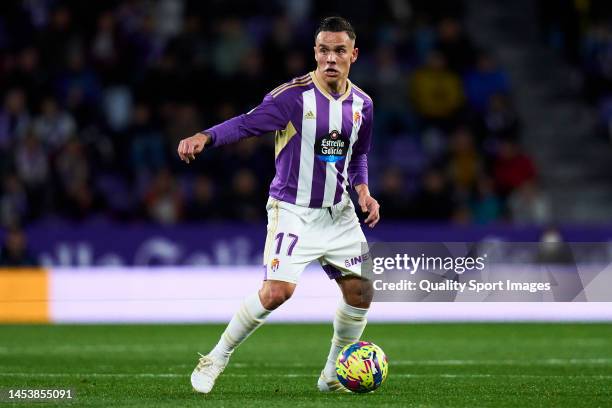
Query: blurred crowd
pixel 581 31
pixel 96 95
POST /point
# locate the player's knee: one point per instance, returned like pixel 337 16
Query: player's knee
pixel 273 295
pixel 273 299
pixel 360 295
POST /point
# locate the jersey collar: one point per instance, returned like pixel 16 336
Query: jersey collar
pixel 321 89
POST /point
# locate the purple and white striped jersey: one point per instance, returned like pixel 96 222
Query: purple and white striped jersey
pixel 321 141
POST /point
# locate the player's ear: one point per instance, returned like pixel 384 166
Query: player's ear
pixel 354 55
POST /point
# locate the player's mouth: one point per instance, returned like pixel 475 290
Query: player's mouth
pixel 332 72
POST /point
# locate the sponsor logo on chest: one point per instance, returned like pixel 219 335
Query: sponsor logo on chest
pixel 332 147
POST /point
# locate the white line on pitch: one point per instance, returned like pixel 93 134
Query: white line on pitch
pixel 526 362
pixel 399 375
pixel 94 348
pixel 541 362
pixel 548 361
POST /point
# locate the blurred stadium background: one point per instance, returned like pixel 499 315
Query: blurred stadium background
pixel 493 121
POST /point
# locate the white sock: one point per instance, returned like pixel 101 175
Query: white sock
pixel 348 328
pixel 246 320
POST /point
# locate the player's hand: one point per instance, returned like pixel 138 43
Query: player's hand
pixel 369 205
pixel 189 147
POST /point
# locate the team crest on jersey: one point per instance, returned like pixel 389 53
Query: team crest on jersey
pixel 356 119
pixel 332 147
pixel 274 264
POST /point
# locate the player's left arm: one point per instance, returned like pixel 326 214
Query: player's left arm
pixel 358 168
pixel 368 205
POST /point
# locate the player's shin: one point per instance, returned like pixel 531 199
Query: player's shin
pixel 349 324
pixel 246 320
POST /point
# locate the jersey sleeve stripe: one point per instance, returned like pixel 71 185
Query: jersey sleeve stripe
pixel 362 91
pixel 294 82
pixel 289 87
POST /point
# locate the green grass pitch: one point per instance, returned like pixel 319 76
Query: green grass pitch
pixel 431 365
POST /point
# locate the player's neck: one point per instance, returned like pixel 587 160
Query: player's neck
pixel 336 88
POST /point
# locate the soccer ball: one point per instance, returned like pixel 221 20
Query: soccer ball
pixel 362 367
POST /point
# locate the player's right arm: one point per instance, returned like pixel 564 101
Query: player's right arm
pixel 266 117
pixel 190 146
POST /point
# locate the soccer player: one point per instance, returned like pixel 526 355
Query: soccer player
pixel 323 125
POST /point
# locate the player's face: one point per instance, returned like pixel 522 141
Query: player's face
pixel 334 52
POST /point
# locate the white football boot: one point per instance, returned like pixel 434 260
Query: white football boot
pixel 206 372
pixel 330 384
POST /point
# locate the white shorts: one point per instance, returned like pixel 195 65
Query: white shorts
pixel 299 235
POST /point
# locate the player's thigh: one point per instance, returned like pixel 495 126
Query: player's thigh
pixel 346 250
pixel 287 251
